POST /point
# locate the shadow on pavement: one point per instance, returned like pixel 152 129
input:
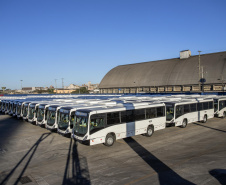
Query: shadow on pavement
pixel 32 151
pixel 209 127
pixel 166 174
pixel 76 170
pixel 219 174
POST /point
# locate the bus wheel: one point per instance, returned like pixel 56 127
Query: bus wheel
pixel 150 131
pixel 109 140
pixel 205 119
pixel 184 124
pixel 224 115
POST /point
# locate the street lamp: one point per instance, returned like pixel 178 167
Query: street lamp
pixel 21 84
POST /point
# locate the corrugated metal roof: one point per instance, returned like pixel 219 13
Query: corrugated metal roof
pixel 167 72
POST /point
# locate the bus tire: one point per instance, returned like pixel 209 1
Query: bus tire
pixel 184 123
pixel 224 115
pixel 109 140
pixel 150 131
pixel 205 119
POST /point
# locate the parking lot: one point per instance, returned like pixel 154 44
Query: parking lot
pixel 193 155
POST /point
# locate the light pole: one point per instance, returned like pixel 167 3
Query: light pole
pixel 199 70
pixel 21 84
pixel 62 83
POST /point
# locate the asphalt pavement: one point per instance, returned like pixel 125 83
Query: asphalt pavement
pixel 196 154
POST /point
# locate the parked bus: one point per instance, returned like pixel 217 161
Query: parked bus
pixel 6 106
pixel 25 111
pixel 0 105
pixel 107 124
pixel 53 110
pixel 220 106
pixel 180 113
pixel 42 111
pixel 65 115
pixel 32 112
pixel 21 109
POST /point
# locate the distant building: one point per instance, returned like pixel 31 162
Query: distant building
pixel 72 87
pixel 92 87
pixel 32 89
pixel 63 91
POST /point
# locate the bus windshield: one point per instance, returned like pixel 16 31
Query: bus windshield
pixel 63 120
pixel 10 106
pixel 31 112
pixel 51 116
pixel 40 114
pixel 25 109
pixel 169 112
pixel 80 123
pixel 14 108
pixel 18 109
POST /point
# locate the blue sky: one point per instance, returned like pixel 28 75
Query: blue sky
pixel 81 40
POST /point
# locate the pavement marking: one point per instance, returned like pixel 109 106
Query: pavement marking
pixel 118 141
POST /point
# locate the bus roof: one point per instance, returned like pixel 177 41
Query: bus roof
pixel 120 107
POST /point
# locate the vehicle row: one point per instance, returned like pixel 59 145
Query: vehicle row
pixel 93 120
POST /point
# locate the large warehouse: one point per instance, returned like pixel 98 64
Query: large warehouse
pixel 172 75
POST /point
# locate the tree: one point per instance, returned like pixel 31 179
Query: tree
pixel 3 88
pixel 82 90
pixel 51 91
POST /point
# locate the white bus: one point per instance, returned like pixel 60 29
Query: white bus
pixel 1 105
pixel 6 106
pixel 52 113
pixel 53 110
pixel 24 110
pixel 180 113
pixel 33 109
pixel 32 112
pixel 107 124
pixel 220 106
pixel 12 107
pixel 66 115
pixel 42 111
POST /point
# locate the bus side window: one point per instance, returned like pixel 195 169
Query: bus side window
pixel 160 111
pixel 210 105
pixel 151 113
pixel 186 108
pixel 200 106
pixel 205 106
pixel 179 110
pixel 113 118
pixel 127 116
pixel 97 122
pixel 139 114
pixel 193 107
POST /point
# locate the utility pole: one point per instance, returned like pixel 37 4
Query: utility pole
pixel 199 70
pixel 56 85
pixel 62 83
pixel 21 83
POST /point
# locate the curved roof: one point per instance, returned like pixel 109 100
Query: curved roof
pixel 167 72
